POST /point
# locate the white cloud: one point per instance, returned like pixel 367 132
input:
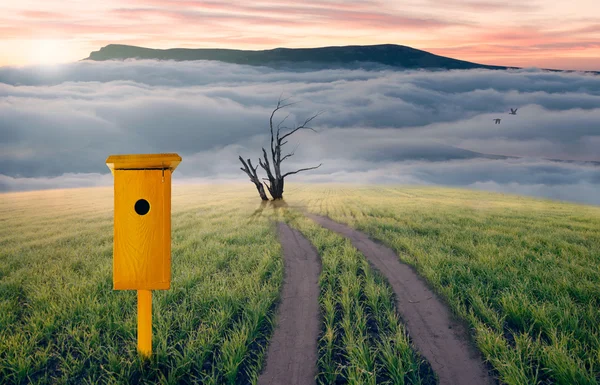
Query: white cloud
pixel 66 180
pixel 379 126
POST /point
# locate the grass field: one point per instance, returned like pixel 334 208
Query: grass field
pixel 60 320
pixel 523 272
pixel 363 341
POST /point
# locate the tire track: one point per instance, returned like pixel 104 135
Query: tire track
pixel 437 335
pixel 292 353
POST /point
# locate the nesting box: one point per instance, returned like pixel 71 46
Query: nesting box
pixel 142 220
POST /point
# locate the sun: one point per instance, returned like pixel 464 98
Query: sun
pixel 48 51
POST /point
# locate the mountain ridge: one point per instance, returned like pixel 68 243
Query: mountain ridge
pixel 391 55
pixel 385 54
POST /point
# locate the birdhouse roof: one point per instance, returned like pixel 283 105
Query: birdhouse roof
pixel 143 162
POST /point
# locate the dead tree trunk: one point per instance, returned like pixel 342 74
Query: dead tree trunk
pixel 274 174
pixel 275 177
pixel 251 172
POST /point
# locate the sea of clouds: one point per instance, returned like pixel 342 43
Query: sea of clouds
pixel 59 123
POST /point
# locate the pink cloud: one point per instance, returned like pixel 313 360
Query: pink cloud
pixel 13 32
pixel 485 6
pixel 582 63
pixel 251 40
pixel 595 28
pixel 524 56
pixel 569 45
pixel 42 15
pixel 260 6
pixel 446 27
pixel 280 16
pixel 68 30
pixel 214 18
pixel 356 19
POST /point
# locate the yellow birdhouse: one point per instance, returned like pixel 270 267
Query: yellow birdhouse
pixel 142 220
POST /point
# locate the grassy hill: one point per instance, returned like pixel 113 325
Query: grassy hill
pixel 350 56
pixel 523 272
pixel 386 54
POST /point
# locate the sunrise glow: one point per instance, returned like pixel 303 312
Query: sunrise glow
pixel 48 51
pixel 525 33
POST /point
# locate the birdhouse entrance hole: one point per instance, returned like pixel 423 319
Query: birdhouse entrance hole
pixel 142 207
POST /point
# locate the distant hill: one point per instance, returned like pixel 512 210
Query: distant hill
pixel 325 57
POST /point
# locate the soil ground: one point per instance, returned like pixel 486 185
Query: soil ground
pixel 436 333
pixel 292 352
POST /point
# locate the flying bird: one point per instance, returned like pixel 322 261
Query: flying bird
pixel 513 112
pixel 496 121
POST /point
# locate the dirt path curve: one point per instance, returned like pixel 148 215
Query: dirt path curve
pixel 292 352
pixel 437 335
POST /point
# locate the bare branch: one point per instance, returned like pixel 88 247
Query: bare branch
pixel 275 180
pixel 290 154
pixel 266 166
pixel 302 169
pixel 286 105
pixel 279 127
pixel 272 149
pixel 302 126
pixel 312 117
pixel 249 169
pixel 279 101
pixel 251 172
pixel 245 168
pixel 268 188
pixel 279 107
pixel 260 162
pixel 253 168
pixel 280 123
pixel 296 129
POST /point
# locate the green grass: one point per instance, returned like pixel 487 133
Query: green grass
pixel 61 322
pixel 524 272
pixel 362 341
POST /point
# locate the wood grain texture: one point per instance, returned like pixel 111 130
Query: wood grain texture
pixel 142 243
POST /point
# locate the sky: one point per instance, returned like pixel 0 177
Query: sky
pixel 60 123
pixel 562 34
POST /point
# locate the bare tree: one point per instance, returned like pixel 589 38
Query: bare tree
pixel 274 175
pixel 251 172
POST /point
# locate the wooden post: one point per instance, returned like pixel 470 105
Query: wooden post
pixel 144 332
